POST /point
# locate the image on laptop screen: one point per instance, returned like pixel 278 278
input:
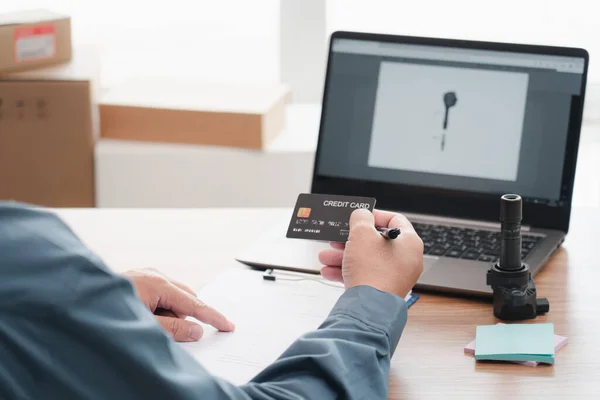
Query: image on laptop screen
pixel 462 119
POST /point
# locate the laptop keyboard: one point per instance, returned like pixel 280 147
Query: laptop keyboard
pixel 465 243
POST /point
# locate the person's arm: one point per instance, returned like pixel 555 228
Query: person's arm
pixel 348 357
pixel 72 329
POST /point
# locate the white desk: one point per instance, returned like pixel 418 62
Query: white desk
pixel 190 245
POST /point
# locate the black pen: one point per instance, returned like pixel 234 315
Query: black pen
pixel 388 233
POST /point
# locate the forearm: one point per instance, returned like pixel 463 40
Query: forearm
pixel 348 356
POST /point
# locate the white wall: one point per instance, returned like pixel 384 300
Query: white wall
pixel 548 22
pixel 224 40
pixel 239 40
pixel 572 23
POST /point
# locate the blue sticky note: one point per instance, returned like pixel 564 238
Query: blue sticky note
pixel 515 342
pixel 411 301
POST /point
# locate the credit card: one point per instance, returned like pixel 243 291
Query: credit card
pixel 325 217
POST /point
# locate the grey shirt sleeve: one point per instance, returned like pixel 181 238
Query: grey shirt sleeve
pixel 70 328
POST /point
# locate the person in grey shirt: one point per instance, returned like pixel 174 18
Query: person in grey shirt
pixel 72 329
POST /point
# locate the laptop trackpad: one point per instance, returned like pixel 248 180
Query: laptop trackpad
pixel 455 274
pixel 428 263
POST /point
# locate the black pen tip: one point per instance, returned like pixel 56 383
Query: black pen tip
pixel 394 233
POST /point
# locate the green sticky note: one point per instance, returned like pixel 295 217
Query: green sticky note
pixel 515 342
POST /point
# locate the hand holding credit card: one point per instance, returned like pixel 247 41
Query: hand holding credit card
pixel 327 217
pixel 369 261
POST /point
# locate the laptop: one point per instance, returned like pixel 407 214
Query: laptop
pixel 439 130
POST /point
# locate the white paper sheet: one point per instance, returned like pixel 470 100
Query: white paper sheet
pixel 269 317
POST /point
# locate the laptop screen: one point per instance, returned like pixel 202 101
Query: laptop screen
pixel 456 118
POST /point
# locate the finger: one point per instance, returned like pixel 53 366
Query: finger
pixel 331 257
pixel 166 313
pixel 337 245
pixel 174 282
pixel 332 273
pixel 362 222
pixel 182 303
pixel 183 287
pixel 179 285
pixel 182 330
pixel 393 220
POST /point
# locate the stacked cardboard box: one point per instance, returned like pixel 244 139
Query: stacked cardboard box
pixel 170 111
pixel 46 113
pixel 33 39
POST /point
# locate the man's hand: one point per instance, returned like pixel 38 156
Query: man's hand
pixel 367 258
pixel 172 302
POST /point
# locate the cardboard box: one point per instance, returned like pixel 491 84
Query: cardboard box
pixel 233 115
pixel 151 175
pixel 48 131
pixel 33 39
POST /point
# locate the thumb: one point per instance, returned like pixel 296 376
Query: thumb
pixel 180 329
pixel 362 222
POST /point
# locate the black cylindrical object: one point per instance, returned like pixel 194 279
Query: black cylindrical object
pixel 511 212
pixel 514 291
